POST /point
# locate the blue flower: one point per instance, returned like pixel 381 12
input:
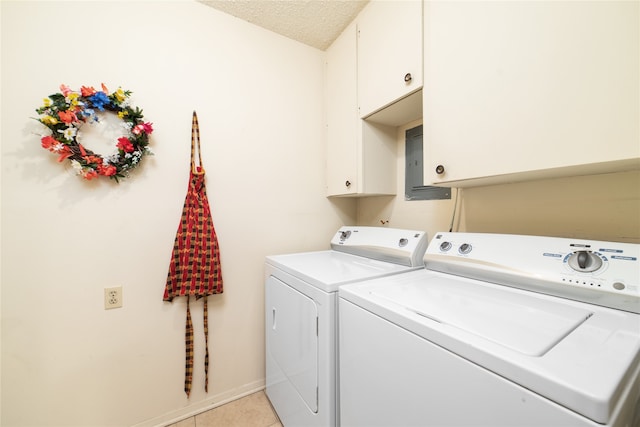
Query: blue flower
pixel 99 100
pixel 89 113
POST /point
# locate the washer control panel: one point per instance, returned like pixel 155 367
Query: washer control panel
pixel 405 247
pixel 603 273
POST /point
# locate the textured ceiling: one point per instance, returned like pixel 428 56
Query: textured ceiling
pixel 316 23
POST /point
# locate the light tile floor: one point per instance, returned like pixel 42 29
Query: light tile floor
pixel 253 410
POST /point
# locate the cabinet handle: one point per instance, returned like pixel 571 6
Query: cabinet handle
pixel 407 77
pixel 347 184
pixel 439 169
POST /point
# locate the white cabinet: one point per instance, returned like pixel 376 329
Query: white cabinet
pixel 360 155
pixel 528 90
pixel 389 53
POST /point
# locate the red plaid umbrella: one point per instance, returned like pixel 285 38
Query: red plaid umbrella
pixel 195 268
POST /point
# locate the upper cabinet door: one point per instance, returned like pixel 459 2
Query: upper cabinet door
pixel 342 119
pixel 361 156
pixel 389 53
pixel 528 90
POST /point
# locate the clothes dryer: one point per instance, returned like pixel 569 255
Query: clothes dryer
pixel 301 315
pixel 497 330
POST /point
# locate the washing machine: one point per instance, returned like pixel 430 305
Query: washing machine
pixel 301 315
pixel 496 330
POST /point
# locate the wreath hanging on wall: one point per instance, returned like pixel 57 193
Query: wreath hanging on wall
pixel 65 112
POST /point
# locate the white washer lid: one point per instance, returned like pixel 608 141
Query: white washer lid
pixel 586 371
pixel 529 326
pixel 327 270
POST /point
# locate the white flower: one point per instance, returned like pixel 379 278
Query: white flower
pixel 76 166
pixel 69 133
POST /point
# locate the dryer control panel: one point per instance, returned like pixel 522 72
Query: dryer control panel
pixel 405 247
pixel 597 272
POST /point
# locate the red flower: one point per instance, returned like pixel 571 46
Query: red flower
pixel 87 91
pixel 67 116
pixel 89 174
pixel 108 170
pixel 125 145
pixel 92 160
pixel 64 153
pixel 48 142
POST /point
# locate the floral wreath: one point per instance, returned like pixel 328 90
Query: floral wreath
pixel 65 112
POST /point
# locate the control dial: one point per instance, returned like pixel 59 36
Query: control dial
pixel 445 246
pixel 584 261
pixel 465 248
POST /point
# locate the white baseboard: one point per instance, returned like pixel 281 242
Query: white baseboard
pixel 203 406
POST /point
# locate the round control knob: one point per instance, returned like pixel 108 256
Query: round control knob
pixel 403 242
pixel 345 235
pixel 465 248
pixel 584 261
pixel 445 246
pixel 439 169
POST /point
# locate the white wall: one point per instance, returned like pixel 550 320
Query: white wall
pixel 603 207
pixel 259 98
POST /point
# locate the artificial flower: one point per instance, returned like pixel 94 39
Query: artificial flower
pixel 67 116
pixel 99 100
pixel 72 98
pixel 76 166
pixel 87 91
pixel 142 127
pixel 93 160
pixel 48 142
pixel 77 108
pixel 89 173
pixel 64 153
pixel 49 120
pixel 119 94
pixel 65 90
pixel 69 133
pixel 125 145
pixel 89 113
pixel 107 170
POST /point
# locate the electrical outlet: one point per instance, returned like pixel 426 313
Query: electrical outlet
pixel 112 298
